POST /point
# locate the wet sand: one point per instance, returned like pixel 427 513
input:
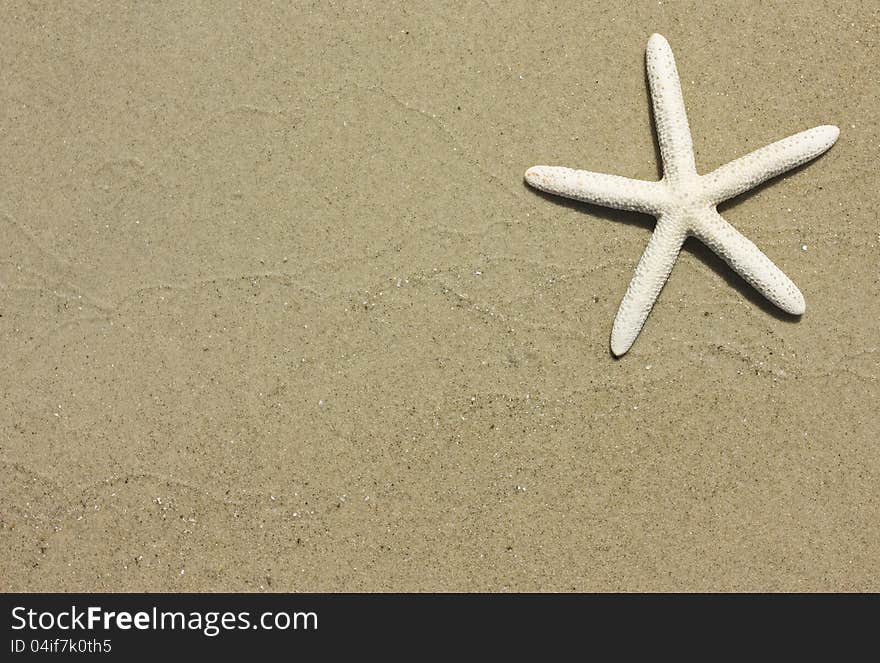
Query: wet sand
pixel 278 312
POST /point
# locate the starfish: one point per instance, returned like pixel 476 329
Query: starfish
pixel 684 202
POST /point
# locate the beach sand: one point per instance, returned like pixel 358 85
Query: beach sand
pixel 278 312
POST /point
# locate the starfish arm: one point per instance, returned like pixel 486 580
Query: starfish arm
pixel 598 188
pixel 651 273
pixel 748 261
pixel 749 171
pixel 670 118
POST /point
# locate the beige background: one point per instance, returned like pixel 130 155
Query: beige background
pixel 278 312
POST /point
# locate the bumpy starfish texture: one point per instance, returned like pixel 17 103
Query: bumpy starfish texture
pixel 684 202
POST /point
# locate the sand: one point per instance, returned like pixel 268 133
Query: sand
pixel 278 312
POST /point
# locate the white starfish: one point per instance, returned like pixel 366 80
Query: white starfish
pixel 684 202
